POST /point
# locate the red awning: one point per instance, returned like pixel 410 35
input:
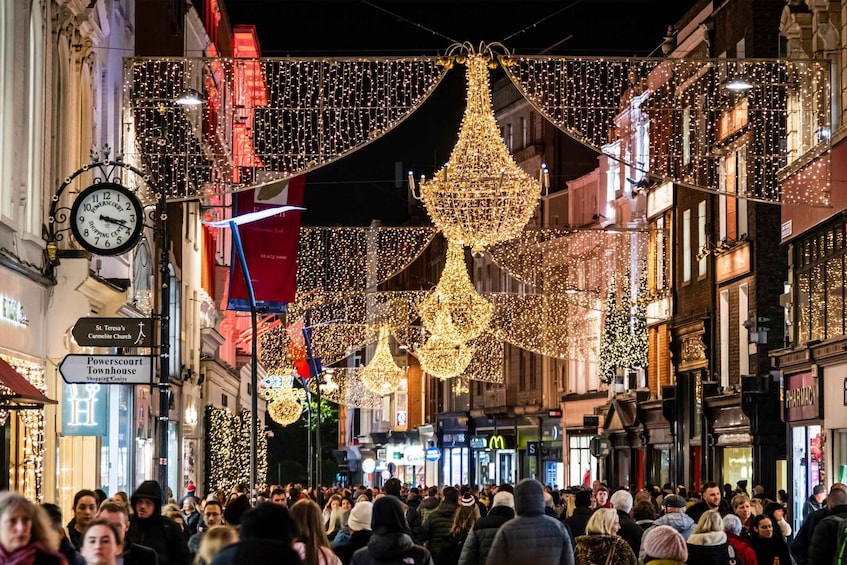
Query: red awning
pixel 21 389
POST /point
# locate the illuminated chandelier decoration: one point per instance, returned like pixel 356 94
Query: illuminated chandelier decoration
pixel 285 403
pixel 444 359
pixel 455 312
pixel 382 375
pixel 481 196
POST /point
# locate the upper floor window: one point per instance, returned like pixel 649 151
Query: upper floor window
pixel 733 180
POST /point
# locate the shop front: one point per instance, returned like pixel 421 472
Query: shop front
pixel 453 441
pixel 25 409
pixel 657 443
pixel 494 457
pixel 733 442
pixel 623 430
pixel 580 423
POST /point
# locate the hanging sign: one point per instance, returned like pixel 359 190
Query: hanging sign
pixel 84 409
pixel 107 369
pixel 113 332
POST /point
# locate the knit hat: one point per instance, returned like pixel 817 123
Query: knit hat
pixel 360 517
pixel 504 499
pixel 673 501
pixel 191 487
pixel 664 542
pixel 467 500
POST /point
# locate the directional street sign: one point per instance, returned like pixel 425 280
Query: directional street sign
pixel 114 332
pixel 107 369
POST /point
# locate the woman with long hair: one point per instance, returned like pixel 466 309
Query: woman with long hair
pixel 215 539
pixel 767 545
pixel 708 545
pixel 463 520
pixel 26 537
pixel 601 543
pixel 313 546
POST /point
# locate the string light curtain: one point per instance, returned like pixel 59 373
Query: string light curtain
pixel 227 450
pixel 344 259
pixel 287 115
pixel 694 115
pixel 481 196
pixel 454 311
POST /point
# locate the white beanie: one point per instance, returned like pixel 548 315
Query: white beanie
pixel 360 517
pixel 504 498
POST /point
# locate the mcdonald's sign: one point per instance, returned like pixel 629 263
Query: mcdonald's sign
pixel 496 442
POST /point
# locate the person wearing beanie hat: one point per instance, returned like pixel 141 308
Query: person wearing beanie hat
pixel 391 541
pixel 532 537
pixel 478 543
pixel 663 545
pixel 359 523
pixel 504 499
pixel 630 531
pixel 581 514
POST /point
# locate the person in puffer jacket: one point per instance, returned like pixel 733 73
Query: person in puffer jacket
pixel 149 528
pixel 532 537
pixel 391 542
pixel 481 537
pixel 675 516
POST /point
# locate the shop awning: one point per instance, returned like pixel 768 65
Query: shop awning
pixel 18 393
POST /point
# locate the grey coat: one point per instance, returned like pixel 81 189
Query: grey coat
pixel 532 538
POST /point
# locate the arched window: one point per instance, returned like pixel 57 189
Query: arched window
pixel 35 122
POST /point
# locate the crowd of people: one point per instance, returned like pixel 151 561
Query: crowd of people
pixel 527 524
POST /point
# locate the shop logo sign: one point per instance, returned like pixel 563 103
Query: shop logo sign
pixel 496 442
pixel 84 409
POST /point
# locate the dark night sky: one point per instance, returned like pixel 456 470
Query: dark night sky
pixel 361 187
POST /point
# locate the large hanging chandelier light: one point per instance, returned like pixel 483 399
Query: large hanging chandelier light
pixel 455 312
pixel 382 375
pixel 444 359
pixel 481 196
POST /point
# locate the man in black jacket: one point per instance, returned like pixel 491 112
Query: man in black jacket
pixel 148 526
pixel 581 514
pixel 803 536
pixel 131 553
pixel 711 501
pixel 824 545
pixel 359 523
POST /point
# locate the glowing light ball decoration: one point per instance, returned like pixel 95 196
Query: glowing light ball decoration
pixel 481 196
pixel 444 359
pixel 382 375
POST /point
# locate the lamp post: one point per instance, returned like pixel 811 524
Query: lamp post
pixel 232 224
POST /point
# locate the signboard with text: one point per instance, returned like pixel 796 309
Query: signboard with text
pixel 107 369
pixel 800 397
pixel 113 332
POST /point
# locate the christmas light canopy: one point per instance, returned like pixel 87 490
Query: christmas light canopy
pixel 382 375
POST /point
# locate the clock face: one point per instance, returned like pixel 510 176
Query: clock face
pixel 106 219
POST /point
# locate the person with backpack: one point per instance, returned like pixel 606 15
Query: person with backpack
pixel 829 540
pixel 463 520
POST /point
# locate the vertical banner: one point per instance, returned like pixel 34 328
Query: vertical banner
pixel 270 247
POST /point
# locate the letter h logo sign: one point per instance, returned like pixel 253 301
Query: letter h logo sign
pixel 83 398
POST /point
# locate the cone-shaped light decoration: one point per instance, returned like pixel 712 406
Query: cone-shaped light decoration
pixel 382 375
pixel 455 312
pixel 481 197
pixel 444 359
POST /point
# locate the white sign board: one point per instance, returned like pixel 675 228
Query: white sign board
pixel 107 369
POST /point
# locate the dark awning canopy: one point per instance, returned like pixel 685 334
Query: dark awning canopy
pixel 17 393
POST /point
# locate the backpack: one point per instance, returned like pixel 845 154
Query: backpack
pixel 841 542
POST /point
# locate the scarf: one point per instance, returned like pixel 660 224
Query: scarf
pixel 22 556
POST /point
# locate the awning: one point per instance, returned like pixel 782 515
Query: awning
pixel 18 393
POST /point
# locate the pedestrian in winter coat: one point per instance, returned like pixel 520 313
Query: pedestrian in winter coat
pixel 266 535
pixel 359 523
pixel 532 537
pixel 391 542
pixel 708 544
pixel 437 524
pixel 149 528
pixel 463 521
pixel 711 501
pixel 630 531
pixel 741 545
pixel 581 514
pixel 26 537
pixel 816 501
pixel 768 547
pixel 428 504
pixel 131 553
pixel 84 508
pixel 192 519
pixel 675 516
pixel 481 537
pixel 663 545
pixel 601 543
pixel 823 546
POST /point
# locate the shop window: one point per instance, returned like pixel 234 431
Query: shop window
pixel 737 464
pixel 582 467
pixel 805 460
pixel 686 246
pixel 724 329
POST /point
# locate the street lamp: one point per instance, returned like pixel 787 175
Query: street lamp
pixel 232 224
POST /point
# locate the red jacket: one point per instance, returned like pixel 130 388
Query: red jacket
pixel 742 548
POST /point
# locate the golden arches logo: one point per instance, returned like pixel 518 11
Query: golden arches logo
pixel 496 442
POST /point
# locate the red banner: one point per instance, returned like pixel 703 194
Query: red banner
pixel 270 247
